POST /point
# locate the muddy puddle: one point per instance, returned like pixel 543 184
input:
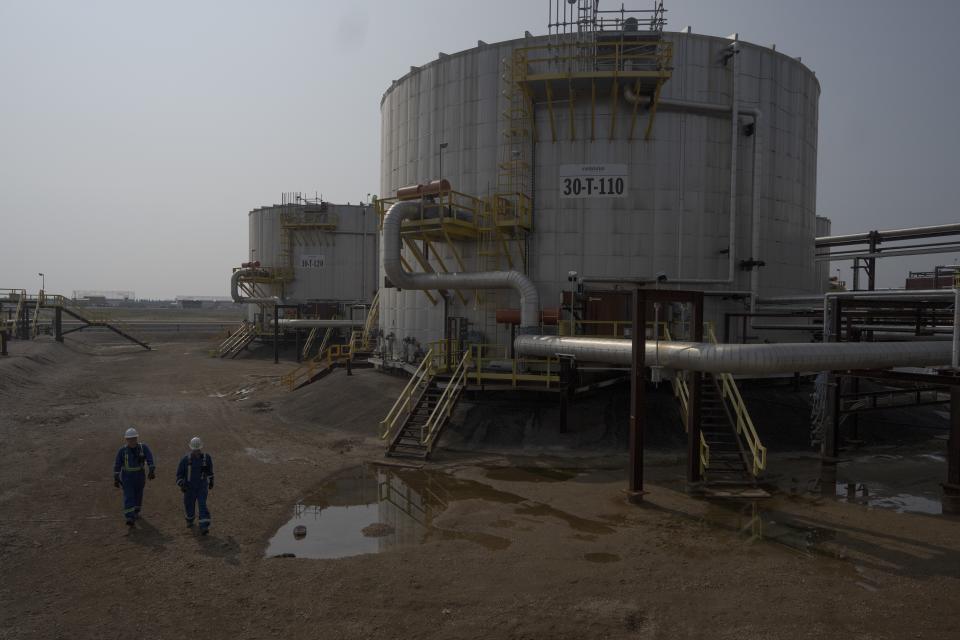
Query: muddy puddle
pixel 902 482
pixel 906 483
pixel 868 549
pixel 371 509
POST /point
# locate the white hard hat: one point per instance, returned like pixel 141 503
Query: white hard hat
pixel 196 443
pixel 131 433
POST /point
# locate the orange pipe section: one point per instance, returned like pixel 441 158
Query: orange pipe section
pixel 415 191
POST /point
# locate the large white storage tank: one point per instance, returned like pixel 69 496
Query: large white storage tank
pixel 670 210
pixel 316 252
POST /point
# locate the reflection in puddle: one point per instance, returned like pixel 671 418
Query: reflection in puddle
pixel 331 523
pixel 877 495
pixel 531 474
pixel 906 483
pixel 755 522
pixel 869 548
pixel 372 509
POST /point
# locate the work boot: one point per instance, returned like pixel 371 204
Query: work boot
pixel 189 524
pixel 204 531
pixel 129 522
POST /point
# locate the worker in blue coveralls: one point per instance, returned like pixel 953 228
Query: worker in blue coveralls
pixel 195 477
pixel 129 472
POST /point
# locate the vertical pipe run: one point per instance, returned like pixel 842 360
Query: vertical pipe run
pixel 734 143
pixel 956 329
pixel 755 249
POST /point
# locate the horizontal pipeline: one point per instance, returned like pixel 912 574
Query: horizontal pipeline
pixel 743 358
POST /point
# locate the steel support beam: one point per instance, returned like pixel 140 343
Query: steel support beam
pixel 641 298
pixel 830 445
pixel 951 488
pixel 694 475
pixel 638 401
pixel 566 372
pixel 276 335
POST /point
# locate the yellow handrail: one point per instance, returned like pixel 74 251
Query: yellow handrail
pixel 402 406
pixel 744 423
pixel 372 316
pixel 682 391
pixel 326 358
pixel 447 401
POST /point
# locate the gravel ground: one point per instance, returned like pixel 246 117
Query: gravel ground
pixel 566 558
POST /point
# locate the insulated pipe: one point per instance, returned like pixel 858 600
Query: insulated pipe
pixel 235 286
pixel 881 294
pixel 739 359
pixel 392 222
pixel 910 233
pixel 310 323
pixel 875 295
pixel 888 253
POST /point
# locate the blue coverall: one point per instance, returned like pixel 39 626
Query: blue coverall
pixel 193 475
pixel 129 470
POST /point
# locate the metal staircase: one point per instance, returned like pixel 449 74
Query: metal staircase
pixel 319 366
pixel 373 317
pixel 312 338
pixel 238 340
pixel 728 463
pixel 16 325
pixel 730 449
pixel 423 410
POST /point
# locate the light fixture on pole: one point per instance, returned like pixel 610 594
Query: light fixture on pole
pixel 443 145
pixel 43 282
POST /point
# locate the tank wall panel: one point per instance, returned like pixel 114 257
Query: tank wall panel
pixel 339 265
pixel 676 217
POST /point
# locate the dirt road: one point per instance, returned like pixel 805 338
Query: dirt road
pixel 566 558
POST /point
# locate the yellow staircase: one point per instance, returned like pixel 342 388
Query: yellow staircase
pixel 730 448
pixel 424 407
pixel 237 341
pixel 323 363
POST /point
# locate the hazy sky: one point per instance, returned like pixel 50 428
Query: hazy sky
pixel 135 136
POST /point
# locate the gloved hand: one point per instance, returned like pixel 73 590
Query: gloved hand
pixel 117 483
pixel 152 475
pixel 183 487
pixel 210 484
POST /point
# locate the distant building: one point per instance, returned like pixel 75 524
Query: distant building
pixel 942 277
pixel 203 302
pixel 104 298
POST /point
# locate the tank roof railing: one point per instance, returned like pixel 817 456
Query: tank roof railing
pixel 586 17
